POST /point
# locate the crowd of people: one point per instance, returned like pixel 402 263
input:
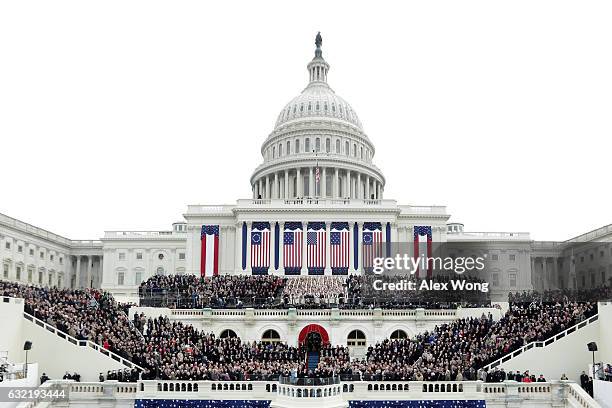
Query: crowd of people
pixel 167 349
pixel 223 291
pixel 563 295
pixel 352 292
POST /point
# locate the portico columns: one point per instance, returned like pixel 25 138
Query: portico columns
pixel 267 187
pixel 336 184
pixel 311 184
pixel 298 183
pixel 358 189
pixel 276 186
pixel 286 184
pixel 323 191
pixel 348 184
pixel 544 273
pixel 77 274
pixel 367 187
pixel 89 261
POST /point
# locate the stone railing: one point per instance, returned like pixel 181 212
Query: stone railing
pixel 80 343
pixel 548 394
pixel 539 344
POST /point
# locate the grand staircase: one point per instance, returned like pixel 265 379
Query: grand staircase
pixel 313 360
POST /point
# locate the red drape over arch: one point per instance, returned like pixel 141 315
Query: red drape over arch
pixel 313 328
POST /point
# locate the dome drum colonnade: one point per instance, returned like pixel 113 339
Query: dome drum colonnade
pixel 317 131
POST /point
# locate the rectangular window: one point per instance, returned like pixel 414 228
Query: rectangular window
pixel 31 252
pixel 51 257
pixel 50 279
pixel 512 279
pixel 19 249
pixel 40 277
pixel 181 255
pixel 591 257
pixel 121 256
pixel 512 257
pixel 61 260
pixel 7 245
pixel 30 273
pixel 138 278
pixel 138 255
pixel 592 280
pixel 42 255
pixel 495 279
pixel 5 271
pixel 18 273
pixel 120 278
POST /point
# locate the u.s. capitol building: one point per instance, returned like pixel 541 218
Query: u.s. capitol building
pixel 316 207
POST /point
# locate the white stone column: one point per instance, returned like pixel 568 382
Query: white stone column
pixel 238 248
pixel 323 191
pixel 77 273
pixel 544 273
pixel 311 183
pixel 298 183
pixel 327 249
pixel 267 192
pixel 248 250
pixel 555 272
pixel 336 185
pixel 367 187
pixel 276 186
pixel 358 192
pixel 348 184
pixel 89 261
pixel 286 185
pixel 260 189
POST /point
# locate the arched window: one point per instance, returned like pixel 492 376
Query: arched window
pixel 338 146
pixel 318 144
pixel 297 145
pixel 354 150
pixel 398 335
pixel 307 145
pixel 280 150
pixel 356 338
pixel 228 333
pixel 361 152
pixel 288 147
pixel 270 336
pixel 327 145
pixel 347 149
pixel 273 151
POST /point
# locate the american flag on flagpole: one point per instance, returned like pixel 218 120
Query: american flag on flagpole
pixel 292 247
pixel 316 245
pixel 339 240
pixel 209 261
pixel 422 248
pixel 260 247
pixel 372 244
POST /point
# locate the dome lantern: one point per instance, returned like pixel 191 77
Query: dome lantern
pixel 318 67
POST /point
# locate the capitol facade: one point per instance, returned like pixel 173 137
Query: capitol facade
pixel 316 207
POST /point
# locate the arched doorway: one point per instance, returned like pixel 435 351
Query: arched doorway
pixel 398 334
pixel 313 328
pixel 312 338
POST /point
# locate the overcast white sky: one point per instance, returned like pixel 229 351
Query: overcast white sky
pixel 117 114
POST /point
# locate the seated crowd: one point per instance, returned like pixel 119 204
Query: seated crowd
pixel 168 349
pixel 563 295
pixel 346 292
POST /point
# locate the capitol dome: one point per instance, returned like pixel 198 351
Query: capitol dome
pixel 318 148
pixel 318 100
